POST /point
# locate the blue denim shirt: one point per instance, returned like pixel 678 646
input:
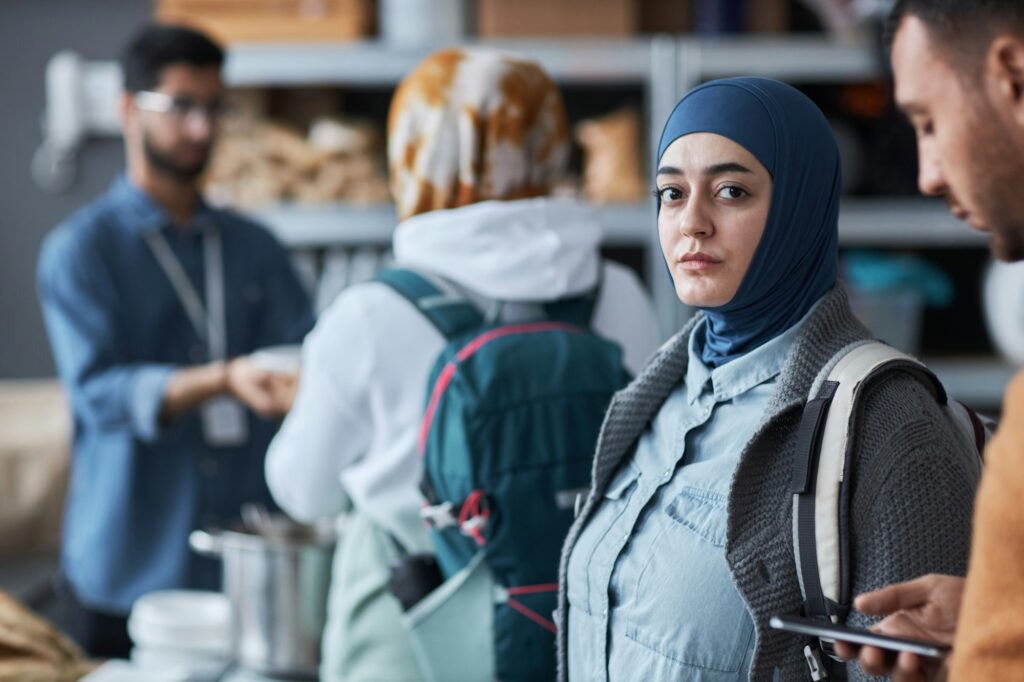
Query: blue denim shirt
pixel 118 330
pixel 650 593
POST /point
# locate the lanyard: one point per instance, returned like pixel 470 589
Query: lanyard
pixel 209 322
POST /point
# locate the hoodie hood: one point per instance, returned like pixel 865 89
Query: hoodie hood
pixel 538 249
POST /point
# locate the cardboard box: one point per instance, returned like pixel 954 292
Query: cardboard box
pixel 768 16
pixel 527 18
pixel 678 16
pixel 666 16
pixel 237 21
pixel 35 453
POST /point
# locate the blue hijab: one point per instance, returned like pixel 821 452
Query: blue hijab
pixel 797 259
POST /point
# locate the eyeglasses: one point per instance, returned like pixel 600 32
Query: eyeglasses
pixel 181 109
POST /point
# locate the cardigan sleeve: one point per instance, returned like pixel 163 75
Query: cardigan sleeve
pixel 913 478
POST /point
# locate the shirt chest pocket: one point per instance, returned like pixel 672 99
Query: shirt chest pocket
pixel 702 512
pixel 687 607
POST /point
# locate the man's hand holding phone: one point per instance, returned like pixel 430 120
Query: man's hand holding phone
pixel 925 608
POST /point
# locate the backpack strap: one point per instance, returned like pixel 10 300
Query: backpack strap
pixel 447 309
pixel 578 310
pixel 819 543
pixel 972 424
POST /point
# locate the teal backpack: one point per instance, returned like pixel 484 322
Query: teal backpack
pixel 512 418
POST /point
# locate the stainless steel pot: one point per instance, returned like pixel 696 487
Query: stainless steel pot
pixel 277 581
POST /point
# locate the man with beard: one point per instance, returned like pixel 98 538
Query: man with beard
pixel 959 74
pixel 152 300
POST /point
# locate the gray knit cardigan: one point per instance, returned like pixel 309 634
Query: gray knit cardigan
pixel 908 505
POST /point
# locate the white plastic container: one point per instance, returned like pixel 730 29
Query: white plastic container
pixel 123 671
pixel 187 630
pixel 198 667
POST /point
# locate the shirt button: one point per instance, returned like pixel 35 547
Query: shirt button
pixel 625 538
pixel 208 467
pixel 604 612
pixel 667 475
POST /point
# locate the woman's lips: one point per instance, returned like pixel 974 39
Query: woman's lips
pixel 697 261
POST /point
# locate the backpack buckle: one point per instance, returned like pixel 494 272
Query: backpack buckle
pixel 473 516
pixel 813 657
pixel 439 516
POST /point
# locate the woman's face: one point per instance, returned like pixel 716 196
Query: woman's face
pixel 715 197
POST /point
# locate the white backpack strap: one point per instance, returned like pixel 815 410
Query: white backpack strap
pixel 819 470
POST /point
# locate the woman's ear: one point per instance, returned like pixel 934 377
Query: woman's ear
pixel 1004 66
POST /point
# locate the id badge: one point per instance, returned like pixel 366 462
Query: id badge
pixel 224 422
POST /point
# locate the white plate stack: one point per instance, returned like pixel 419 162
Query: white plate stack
pixel 182 629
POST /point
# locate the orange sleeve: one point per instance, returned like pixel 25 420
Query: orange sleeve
pixel 989 641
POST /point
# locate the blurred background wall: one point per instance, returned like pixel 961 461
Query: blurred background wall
pixel 32 31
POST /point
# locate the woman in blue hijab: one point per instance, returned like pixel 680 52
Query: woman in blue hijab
pixel 683 549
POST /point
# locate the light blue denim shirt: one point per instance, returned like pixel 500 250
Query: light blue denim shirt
pixel 118 331
pixel 650 593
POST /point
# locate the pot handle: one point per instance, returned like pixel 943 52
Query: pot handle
pixel 205 543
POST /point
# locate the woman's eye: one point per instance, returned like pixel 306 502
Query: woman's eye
pixel 731 192
pixel 669 194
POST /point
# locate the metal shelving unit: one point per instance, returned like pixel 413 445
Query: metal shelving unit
pixel 978 382
pixel 906 222
pixel 372 63
pixel 326 225
pixel 664 66
pixel 863 222
pixel 798 59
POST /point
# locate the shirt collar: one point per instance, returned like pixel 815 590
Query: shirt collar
pixel 745 372
pixel 143 214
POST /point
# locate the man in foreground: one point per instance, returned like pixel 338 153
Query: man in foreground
pixel 959 73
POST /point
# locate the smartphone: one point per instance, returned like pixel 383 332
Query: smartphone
pixel 842 633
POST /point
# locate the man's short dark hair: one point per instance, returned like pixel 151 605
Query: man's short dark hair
pixel 158 46
pixel 964 27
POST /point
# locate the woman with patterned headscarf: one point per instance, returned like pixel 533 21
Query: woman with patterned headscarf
pixel 684 548
pixel 477 140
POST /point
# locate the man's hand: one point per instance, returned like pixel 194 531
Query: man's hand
pixel 286 386
pixel 925 608
pixel 268 393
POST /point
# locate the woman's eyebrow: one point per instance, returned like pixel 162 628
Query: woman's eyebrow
pixel 728 167
pixel 716 169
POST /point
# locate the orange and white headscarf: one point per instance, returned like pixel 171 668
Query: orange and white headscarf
pixel 469 125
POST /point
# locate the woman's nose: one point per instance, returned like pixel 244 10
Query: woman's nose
pixel 695 221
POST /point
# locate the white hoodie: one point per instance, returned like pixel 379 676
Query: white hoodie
pixel 365 365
